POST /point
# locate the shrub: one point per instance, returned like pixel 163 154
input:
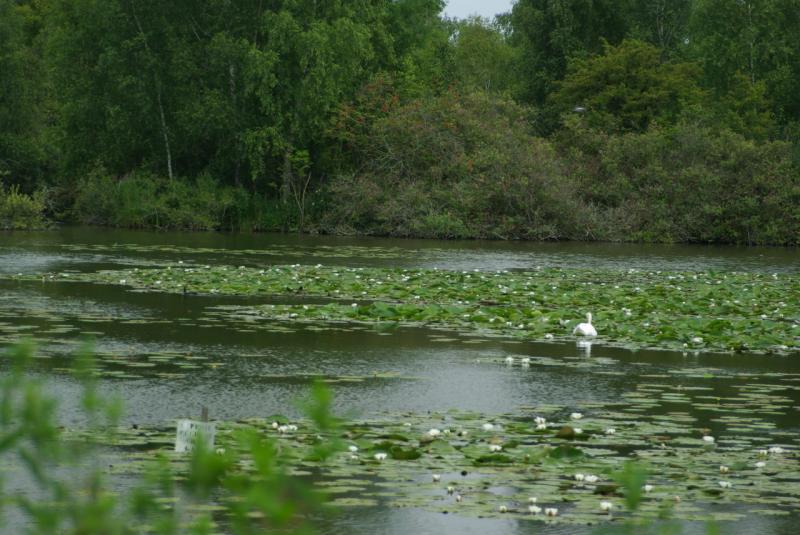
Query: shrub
pixel 19 211
pixel 142 200
pixel 687 183
pixel 455 166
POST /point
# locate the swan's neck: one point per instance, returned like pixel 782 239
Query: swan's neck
pixel 589 318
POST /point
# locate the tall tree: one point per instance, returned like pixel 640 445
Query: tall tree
pixel 628 88
pixel 551 32
pixel 757 39
pixel 482 57
pixel 22 154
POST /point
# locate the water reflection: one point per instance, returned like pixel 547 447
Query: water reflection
pixel 585 347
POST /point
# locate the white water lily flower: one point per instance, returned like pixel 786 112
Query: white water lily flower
pixel 434 432
pixel 283 429
pixel 548 336
pixel 354 305
pixel 274 425
pixel 122 281
pixel 610 431
pixel 763 453
pixel 526 361
pixel 723 469
pixel 708 439
pixel 576 416
pixel 450 489
pixel 776 449
pixel 591 479
pixel 540 420
pixel 648 488
pixel 761 464
pixel 509 360
pixel 495 447
pixel 436 478
pixel 459 498
pixel 534 510
pixel 533 499
pixel 725 484
pixel 606 506
pixel 380 456
pixel 551 511
pixel 577 430
pixel 488 427
pixel 541 427
pixel 353 449
pixel 697 340
pixel 579 477
pixel 503 509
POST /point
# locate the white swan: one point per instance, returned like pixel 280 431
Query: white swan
pixel 585 329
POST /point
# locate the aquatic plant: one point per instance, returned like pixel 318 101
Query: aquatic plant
pixel 685 311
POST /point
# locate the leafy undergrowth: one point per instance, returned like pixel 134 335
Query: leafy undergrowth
pixel 710 311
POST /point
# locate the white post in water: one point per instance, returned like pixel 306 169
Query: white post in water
pixel 188 430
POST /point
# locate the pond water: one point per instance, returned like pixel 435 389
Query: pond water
pixel 208 359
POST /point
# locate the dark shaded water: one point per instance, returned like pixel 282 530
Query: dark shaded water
pixel 246 372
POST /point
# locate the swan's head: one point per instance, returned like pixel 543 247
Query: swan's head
pixel 589 317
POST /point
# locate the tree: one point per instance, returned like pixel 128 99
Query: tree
pixel 482 57
pixel 23 158
pixel 551 32
pixel 663 23
pixel 756 39
pixel 628 88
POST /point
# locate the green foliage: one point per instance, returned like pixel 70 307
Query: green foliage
pixel 454 166
pixel 143 200
pixel 649 183
pixel 628 88
pixel 72 494
pixel 550 33
pixel 365 116
pixel 632 478
pixel 19 211
pixel 483 59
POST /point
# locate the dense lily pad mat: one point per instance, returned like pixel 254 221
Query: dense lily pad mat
pixel 476 465
pixel 692 311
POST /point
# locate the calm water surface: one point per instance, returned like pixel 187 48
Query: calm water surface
pixel 255 372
